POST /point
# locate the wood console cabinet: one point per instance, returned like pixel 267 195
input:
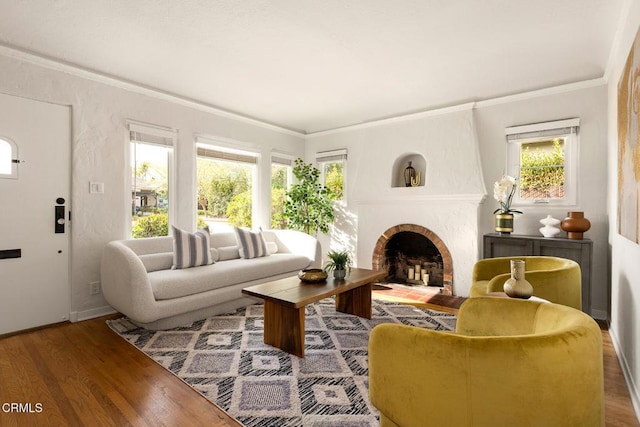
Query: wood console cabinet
pixel 581 251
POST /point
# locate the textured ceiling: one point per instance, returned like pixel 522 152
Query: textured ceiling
pixel 316 65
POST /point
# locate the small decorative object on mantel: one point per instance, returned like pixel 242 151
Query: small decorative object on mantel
pixel 575 224
pixel 312 275
pixel 410 176
pixel 516 286
pixel 503 192
pixel 339 262
pixel 415 182
pixel 550 228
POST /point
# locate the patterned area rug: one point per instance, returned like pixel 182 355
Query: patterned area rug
pixel 225 359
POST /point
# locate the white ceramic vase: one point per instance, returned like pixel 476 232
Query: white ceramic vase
pixel 550 228
pixel 516 286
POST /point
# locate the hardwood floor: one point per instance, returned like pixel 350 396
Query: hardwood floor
pixel 83 374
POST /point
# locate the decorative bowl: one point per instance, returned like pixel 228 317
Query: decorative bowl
pixel 312 275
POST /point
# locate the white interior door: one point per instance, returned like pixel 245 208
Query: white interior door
pixel 34 253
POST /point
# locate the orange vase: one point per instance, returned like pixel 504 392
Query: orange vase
pixel 575 224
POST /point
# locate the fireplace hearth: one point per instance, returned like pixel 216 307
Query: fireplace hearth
pixel 406 249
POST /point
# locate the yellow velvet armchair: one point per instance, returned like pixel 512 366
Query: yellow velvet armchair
pixel 558 280
pixel 509 363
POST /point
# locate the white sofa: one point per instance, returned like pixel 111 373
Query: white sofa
pixel 137 279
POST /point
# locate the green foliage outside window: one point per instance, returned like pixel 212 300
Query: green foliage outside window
pixel 239 210
pixel 334 179
pixel 218 183
pixel 155 225
pixel 308 206
pixel 542 171
pixel 151 226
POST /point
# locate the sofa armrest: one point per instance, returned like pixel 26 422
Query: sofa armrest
pixel 297 242
pixel 125 283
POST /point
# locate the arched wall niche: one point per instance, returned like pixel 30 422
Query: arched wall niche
pixel 418 162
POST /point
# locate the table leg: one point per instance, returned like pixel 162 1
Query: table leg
pixel 284 327
pixel 356 301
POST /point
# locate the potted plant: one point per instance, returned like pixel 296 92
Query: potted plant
pixel 503 192
pixel 308 205
pixel 339 262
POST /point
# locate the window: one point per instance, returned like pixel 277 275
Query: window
pixel 332 166
pixel 544 158
pixel 281 177
pixel 8 159
pixel 225 186
pixel 151 159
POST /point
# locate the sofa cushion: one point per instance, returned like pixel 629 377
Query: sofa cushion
pixel 252 244
pixel 225 253
pixel 191 249
pixel 168 284
pixel 159 261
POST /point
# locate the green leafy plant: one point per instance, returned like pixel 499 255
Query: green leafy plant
pixel 151 226
pixel 308 206
pixel 542 171
pixel 338 260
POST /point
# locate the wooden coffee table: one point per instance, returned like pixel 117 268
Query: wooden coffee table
pixel 285 299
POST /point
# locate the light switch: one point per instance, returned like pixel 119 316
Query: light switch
pixel 96 187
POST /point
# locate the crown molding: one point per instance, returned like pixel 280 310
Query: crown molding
pixel 110 80
pixel 394 119
pixel 570 87
pixel 75 70
pixel 553 90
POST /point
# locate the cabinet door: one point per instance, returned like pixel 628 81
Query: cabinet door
pixel 567 250
pixel 578 252
pixel 496 246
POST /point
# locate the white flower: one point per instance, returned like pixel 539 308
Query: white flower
pixel 500 192
pixel 503 191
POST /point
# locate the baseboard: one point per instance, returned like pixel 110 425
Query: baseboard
pixel 599 314
pixel 631 385
pixel 79 316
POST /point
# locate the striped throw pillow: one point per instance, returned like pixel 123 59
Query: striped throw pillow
pixel 191 249
pixel 251 243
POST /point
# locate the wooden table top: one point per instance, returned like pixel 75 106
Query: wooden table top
pixel 291 291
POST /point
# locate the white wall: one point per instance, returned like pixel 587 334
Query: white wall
pixel 99 147
pixel 625 254
pixel 450 140
pixel 589 103
pixel 447 205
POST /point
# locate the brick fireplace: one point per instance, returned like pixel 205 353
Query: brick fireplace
pixel 409 245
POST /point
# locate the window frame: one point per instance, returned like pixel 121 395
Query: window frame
pixel 281 159
pixel 141 130
pixel 517 136
pixel 233 151
pixel 13 157
pixel 334 156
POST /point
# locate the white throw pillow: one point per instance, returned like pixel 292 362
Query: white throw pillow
pixel 191 249
pixel 251 243
pixel 272 247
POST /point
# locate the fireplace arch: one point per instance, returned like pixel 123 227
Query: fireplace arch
pixel 379 251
